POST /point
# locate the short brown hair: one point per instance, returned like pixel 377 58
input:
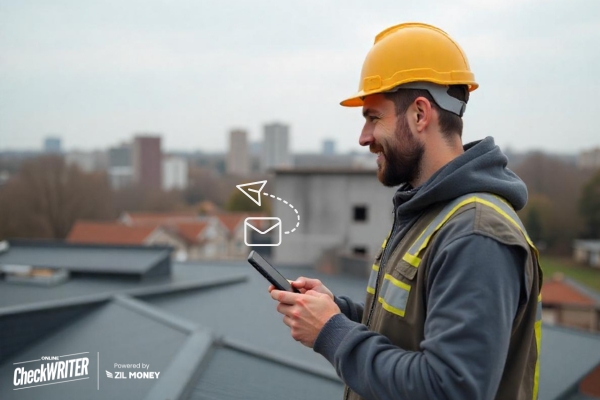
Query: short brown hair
pixel 450 123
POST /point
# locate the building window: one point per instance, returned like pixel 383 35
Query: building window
pixel 360 214
pixel 359 250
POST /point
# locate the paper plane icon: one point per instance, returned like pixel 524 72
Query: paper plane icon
pixel 258 187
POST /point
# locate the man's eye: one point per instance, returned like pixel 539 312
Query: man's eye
pixel 372 118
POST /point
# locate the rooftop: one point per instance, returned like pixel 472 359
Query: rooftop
pixel 557 292
pixel 567 356
pixel 190 326
pixel 135 261
pixel 202 327
pixel 191 231
pixel 109 233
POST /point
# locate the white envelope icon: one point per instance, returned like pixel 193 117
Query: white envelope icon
pixel 250 224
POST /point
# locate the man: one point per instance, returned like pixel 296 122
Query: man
pixel 453 307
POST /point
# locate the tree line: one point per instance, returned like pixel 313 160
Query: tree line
pixel 563 204
pixel 46 196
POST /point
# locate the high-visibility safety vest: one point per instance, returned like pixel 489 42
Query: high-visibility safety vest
pixel 395 304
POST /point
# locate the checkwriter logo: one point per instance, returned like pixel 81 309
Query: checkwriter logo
pixel 51 373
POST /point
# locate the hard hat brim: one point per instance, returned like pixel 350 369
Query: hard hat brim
pixel 354 101
pixel 357 99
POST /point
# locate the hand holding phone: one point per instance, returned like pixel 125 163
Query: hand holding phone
pixel 270 273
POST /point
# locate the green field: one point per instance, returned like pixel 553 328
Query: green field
pixel 586 275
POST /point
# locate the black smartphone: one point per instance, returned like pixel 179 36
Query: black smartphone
pixel 269 272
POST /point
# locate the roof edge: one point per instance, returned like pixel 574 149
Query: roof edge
pixel 55 243
pixel 184 286
pixel 133 292
pixel 274 357
pixel 51 304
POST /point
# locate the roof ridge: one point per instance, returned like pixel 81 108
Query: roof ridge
pixel 187 364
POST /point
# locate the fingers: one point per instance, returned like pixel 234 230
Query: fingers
pixel 306 283
pixel 284 309
pixel 287 320
pixel 271 288
pixel 284 296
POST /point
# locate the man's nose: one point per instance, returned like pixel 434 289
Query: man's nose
pixel 366 136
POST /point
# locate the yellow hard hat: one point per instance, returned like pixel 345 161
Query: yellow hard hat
pixel 410 53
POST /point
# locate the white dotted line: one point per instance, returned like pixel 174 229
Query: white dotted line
pixel 291 206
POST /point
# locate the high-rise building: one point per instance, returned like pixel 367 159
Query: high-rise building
pixel 52 144
pixel 238 157
pixel 174 173
pixel 256 148
pixel 120 170
pixel 328 147
pixel 120 156
pixel 147 161
pixel 276 147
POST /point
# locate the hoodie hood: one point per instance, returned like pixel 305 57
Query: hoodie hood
pixel 481 168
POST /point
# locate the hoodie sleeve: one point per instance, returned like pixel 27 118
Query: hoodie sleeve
pixel 352 310
pixel 474 285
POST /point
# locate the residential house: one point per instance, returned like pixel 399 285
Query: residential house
pixel 207 237
pixel 234 223
pixel 587 252
pixel 568 303
pixel 93 232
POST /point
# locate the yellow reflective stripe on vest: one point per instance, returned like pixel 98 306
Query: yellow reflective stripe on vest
pixel 538 345
pixel 394 295
pixel 494 202
pixel 373 279
pixel 375 270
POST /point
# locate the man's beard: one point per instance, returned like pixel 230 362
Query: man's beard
pixel 402 157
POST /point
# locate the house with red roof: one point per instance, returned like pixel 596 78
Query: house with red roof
pixel 94 232
pixel 216 236
pixel 192 240
pixel 234 224
pixel 568 303
pixel 207 237
pixel 158 218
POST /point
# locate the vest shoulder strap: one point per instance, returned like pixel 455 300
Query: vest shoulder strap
pixel 494 202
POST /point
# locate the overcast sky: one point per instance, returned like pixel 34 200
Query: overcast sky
pixel 96 72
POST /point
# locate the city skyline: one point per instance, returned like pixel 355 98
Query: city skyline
pixel 96 73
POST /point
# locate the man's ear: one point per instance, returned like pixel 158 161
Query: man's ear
pixel 422 112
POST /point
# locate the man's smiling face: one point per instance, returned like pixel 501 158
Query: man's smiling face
pixel 399 154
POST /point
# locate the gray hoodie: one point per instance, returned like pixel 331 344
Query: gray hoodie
pixel 446 368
